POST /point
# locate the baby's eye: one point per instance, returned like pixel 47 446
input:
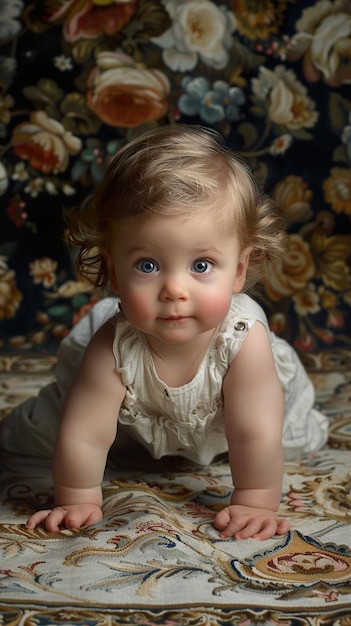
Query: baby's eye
pixel 147 266
pixel 202 266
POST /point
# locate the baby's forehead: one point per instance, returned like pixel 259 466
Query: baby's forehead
pixel 219 215
pixel 197 231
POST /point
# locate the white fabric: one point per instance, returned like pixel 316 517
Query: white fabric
pixel 186 421
pixel 189 420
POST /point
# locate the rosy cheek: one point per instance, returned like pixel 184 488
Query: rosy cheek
pixel 135 303
pixel 217 306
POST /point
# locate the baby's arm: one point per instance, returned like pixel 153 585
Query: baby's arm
pixel 254 411
pixel 87 430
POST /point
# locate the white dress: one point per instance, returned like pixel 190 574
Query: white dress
pixel 187 421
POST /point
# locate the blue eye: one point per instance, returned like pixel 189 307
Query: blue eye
pixel 147 266
pixel 202 266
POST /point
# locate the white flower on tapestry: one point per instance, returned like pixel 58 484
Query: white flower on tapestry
pixel 34 187
pixel 4 181
pixel 68 190
pixel 200 30
pixel 281 144
pixel 72 288
pixel 63 63
pixel 45 143
pixel 20 172
pixel 43 271
pixel 9 26
pixel 213 103
pixel 285 98
pixel 50 188
pixel 323 40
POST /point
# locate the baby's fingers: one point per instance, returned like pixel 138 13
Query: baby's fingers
pixel 230 526
pixel 93 518
pixel 76 518
pixel 271 527
pixel 234 522
pixel 222 519
pixel 254 527
pixel 51 518
pixel 69 517
pixel 283 526
pixel 268 528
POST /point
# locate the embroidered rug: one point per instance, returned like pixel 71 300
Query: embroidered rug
pixel 156 557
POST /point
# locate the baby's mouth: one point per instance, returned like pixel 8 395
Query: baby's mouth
pixel 174 318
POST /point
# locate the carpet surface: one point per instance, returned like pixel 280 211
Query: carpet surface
pixel 156 557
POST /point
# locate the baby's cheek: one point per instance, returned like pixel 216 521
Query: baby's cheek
pixel 217 306
pixel 136 304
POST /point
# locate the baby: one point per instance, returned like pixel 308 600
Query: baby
pixel 187 366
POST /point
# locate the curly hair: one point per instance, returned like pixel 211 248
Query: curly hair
pixel 177 170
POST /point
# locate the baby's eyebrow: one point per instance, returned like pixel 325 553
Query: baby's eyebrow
pixel 201 250
pixel 138 250
pixel 207 250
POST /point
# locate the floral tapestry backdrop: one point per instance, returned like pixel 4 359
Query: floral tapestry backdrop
pixel 80 78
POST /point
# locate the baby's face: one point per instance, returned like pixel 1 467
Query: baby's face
pixel 175 275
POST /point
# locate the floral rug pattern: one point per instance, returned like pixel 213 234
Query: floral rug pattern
pixel 156 557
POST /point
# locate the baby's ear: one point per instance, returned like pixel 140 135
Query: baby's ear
pixel 241 270
pixel 110 266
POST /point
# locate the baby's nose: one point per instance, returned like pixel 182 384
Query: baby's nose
pixel 174 288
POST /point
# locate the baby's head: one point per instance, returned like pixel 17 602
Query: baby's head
pixel 181 170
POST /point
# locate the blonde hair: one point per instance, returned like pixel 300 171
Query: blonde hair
pixel 176 170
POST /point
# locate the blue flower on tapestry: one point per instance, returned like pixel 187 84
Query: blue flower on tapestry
pixel 212 103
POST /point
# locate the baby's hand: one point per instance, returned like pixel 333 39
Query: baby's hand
pixel 70 516
pixel 242 522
